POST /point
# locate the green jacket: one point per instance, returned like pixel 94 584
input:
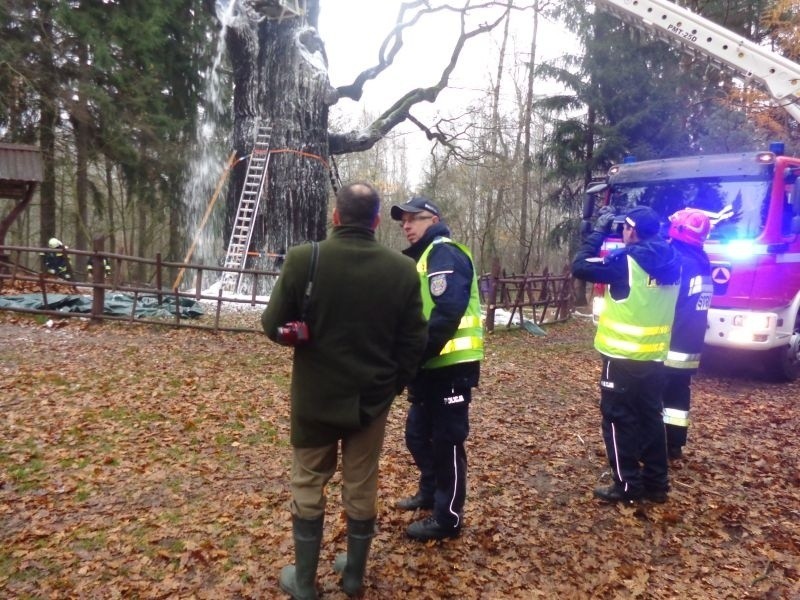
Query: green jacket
pixel 367 332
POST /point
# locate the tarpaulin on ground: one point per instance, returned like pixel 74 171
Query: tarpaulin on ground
pixel 116 304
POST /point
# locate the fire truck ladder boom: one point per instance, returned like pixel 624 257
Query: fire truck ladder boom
pixel 697 35
pixel 242 231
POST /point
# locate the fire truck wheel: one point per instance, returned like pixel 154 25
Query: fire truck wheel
pixel 785 362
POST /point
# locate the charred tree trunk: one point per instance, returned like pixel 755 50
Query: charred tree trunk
pixel 280 79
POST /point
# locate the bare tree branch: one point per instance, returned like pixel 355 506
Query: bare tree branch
pixel 357 141
pixel 449 139
pixel 395 39
pixel 431 135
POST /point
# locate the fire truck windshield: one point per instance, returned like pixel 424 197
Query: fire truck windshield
pixel 738 208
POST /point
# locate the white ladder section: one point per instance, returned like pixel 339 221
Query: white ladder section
pixel 242 231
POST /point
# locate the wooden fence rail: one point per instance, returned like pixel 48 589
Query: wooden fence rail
pixel 156 271
pixel 548 297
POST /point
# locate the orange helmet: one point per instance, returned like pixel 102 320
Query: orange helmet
pixel 690 226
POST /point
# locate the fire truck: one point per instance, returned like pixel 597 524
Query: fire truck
pixel 753 198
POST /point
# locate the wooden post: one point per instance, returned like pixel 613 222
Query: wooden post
pixel 159 297
pixel 135 302
pixel 491 294
pixel 98 275
pixel 219 309
pixel 177 308
pixel 198 284
pixel 43 287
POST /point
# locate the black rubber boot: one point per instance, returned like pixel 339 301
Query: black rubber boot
pixel 353 565
pixel 300 579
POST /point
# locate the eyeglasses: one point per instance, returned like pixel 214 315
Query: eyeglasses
pixel 412 218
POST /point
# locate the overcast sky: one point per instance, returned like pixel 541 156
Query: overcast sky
pixel 353 31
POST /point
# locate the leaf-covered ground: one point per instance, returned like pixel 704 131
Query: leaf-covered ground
pixel 138 462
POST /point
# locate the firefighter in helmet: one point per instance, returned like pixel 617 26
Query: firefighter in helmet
pixel 106 268
pixel 688 230
pixel 56 261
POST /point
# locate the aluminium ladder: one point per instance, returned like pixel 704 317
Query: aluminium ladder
pixel 246 213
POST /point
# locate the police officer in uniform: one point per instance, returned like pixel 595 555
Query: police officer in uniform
pixel 438 418
pixel 688 229
pixel 633 336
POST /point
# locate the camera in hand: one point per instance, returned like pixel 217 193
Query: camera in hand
pixel 293 333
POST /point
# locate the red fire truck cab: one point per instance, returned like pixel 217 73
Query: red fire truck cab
pixel 753 200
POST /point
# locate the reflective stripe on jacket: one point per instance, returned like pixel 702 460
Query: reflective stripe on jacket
pixel 639 326
pixel 682 360
pixel 467 342
pixel 691 314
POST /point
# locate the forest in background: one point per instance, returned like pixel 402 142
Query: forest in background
pixel 114 93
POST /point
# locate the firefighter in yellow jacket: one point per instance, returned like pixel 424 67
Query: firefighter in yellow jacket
pixel 633 336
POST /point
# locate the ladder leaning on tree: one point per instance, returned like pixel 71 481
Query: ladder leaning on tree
pixel 242 231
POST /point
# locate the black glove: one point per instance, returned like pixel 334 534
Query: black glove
pixel 605 217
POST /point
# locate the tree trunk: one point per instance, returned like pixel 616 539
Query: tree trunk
pixel 143 237
pixel 280 79
pixel 80 124
pixel 527 164
pixel 112 228
pixel 496 189
pixel 47 132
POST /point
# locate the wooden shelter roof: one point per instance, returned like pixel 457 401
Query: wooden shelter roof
pixel 20 167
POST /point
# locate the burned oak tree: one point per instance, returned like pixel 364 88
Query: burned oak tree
pixel 280 77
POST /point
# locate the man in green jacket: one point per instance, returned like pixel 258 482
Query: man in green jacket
pixel 366 335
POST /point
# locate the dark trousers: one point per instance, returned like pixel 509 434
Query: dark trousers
pixel 677 399
pixel 436 429
pixel 633 427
